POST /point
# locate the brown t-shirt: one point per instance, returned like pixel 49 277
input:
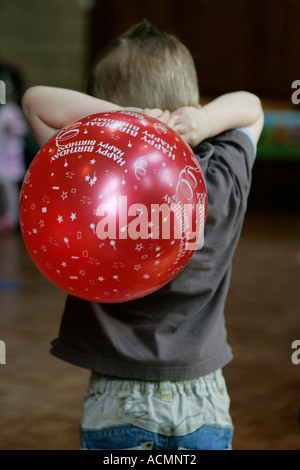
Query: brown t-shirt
pixel 178 332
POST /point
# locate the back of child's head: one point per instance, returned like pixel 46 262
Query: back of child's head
pixel 145 68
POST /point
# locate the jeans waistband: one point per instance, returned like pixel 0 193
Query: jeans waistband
pixel 102 383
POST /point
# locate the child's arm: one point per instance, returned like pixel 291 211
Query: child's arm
pixel 229 111
pixel 47 109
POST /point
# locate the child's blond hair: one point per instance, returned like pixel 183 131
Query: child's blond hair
pixel 145 68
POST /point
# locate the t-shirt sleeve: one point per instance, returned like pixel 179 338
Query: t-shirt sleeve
pixel 237 150
pixel 227 162
pixel 251 137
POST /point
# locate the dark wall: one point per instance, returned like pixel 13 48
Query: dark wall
pixel 237 44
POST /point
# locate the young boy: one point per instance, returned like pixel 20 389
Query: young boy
pixel 157 362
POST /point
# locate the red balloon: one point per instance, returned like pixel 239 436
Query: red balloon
pixel 111 206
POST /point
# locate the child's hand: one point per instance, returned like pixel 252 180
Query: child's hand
pixel 190 123
pixel 163 116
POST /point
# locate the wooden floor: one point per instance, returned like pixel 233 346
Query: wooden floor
pixel 41 396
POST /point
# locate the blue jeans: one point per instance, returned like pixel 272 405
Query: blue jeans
pixel 133 414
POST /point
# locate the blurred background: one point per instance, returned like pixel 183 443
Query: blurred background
pixel 237 44
pixel 250 44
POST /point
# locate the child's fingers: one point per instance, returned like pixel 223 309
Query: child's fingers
pixel 155 112
pixel 180 127
pixel 165 117
pixel 173 120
